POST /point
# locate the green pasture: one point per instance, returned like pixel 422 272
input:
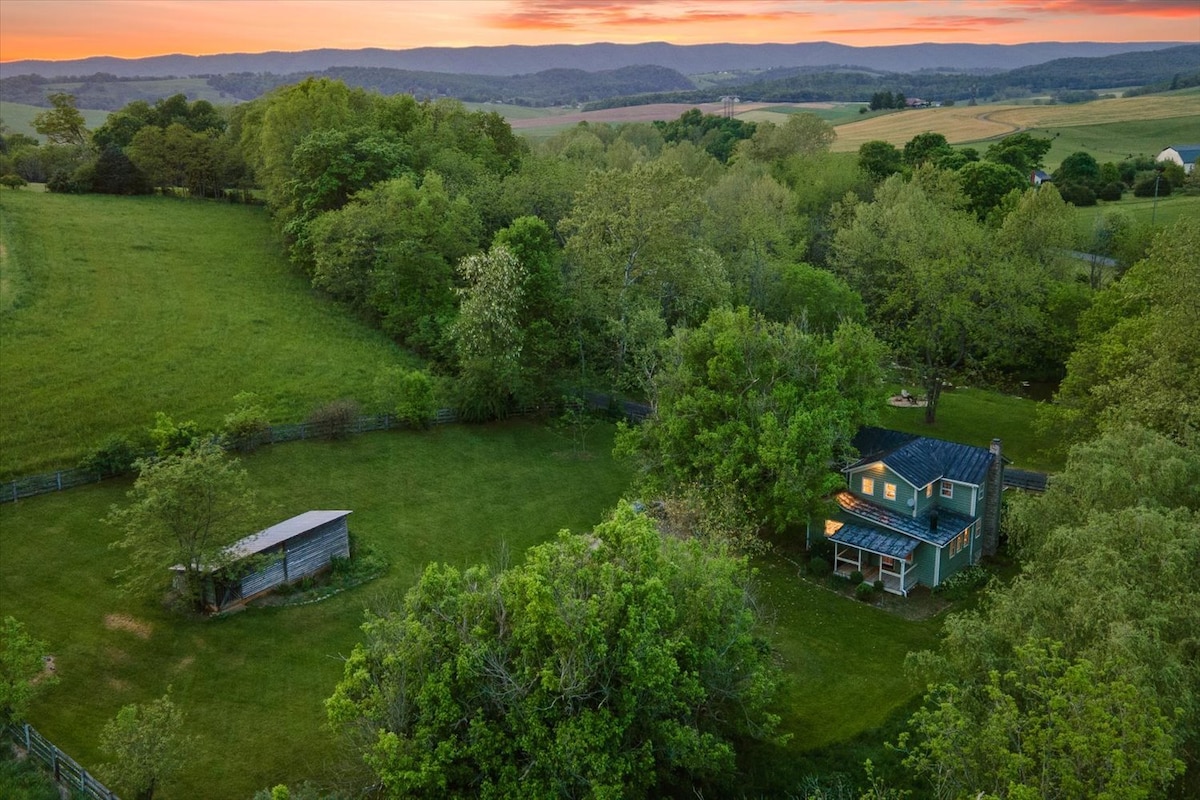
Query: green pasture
pixel 114 308
pixel 252 684
pixel 18 117
pixel 976 416
pixel 1117 141
pixel 509 111
pixel 1144 210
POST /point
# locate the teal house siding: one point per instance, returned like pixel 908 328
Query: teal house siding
pixel 924 559
pixel 960 503
pixel 881 475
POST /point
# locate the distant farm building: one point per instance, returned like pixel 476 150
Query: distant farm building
pixel 1184 155
pixel 285 553
pixel 1037 178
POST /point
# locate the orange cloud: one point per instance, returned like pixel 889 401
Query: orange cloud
pixel 575 14
pixel 1161 9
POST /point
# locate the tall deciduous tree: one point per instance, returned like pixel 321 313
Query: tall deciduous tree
pixel 1135 361
pixel 614 664
pixel 183 512
pixel 23 674
pixel 62 124
pixel 929 276
pixel 633 258
pixel 147 744
pixel 756 411
pixel 1047 728
pixel 488 335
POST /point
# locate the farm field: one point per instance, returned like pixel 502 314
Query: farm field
pixel 962 123
pixel 129 306
pixel 18 117
pixel 1142 209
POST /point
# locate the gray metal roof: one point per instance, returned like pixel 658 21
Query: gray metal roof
pixel 920 460
pixel 949 524
pixel 876 540
pixel 281 532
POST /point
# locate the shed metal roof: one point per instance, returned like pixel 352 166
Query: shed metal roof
pixel 875 540
pixel 281 532
pixel 949 523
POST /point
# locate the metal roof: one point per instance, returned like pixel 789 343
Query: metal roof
pixel 281 532
pixel 920 460
pixel 949 523
pixel 875 540
pixel 1188 152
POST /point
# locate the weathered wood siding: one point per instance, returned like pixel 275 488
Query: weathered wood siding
pixel 300 557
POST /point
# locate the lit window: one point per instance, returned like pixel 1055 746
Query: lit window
pixel 929 490
pixel 889 563
pixel 947 489
pixel 832 526
pixel 889 491
pixel 868 486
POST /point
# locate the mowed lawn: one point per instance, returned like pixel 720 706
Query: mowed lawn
pixel 113 308
pixel 252 684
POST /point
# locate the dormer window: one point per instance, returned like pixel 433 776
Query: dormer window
pixel 929 490
pixel 868 485
pixel 947 489
pixel 889 491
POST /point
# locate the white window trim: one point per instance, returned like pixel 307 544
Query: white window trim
pixel 889 491
pixel 947 486
pixel 868 482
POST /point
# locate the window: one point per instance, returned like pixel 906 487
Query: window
pixel 889 491
pixel 929 490
pixel 888 563
pixel 868 486
pixel 947 489
pixel 960 542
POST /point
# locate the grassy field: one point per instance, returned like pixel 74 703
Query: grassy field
pixel 128 306
pixel 252 684
pixel 18 117
pixel 1143 209
pixel 1174 113
pixel 975 416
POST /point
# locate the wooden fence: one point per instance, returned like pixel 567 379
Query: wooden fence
pixel 66 770
pixel 33 485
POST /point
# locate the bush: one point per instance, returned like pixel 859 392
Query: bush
pixel 864 591
pixel 13 181
pixel 962 583
pixel 821 548
pixel 64 182
pixel 1145 186
pixel 1111 191
pixel 408 394
pixel 114 457
pixel 171 438
pixel 1077 194
pixel 247 426
pixel 335 419
pixel 879 586
pixel 856 577
pixel 819 567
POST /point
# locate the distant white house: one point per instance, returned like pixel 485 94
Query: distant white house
pixel 1037 178
pixel 1184 155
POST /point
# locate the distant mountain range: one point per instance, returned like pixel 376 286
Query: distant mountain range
pixel 520 60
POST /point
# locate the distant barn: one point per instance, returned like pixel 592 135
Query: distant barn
pixel 281 554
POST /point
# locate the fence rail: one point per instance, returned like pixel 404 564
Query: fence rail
pixel 66 770
pixel 34 485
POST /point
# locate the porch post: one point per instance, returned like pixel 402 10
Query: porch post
pixel 903 574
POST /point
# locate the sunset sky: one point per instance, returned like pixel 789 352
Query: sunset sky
pixel 68 29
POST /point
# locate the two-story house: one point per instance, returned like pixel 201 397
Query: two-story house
pixel 915 510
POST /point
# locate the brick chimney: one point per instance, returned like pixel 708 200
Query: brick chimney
pixel 993 489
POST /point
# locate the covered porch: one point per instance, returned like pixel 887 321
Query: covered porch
pixel 877 554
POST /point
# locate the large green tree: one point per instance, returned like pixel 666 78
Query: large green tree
pixel 62 124
pixel 23 674
pixel 184 510
pixel 1135 361
pixel 147 744
pixel 1048 728
pixel 929 274
pixel 614 664
pixel 756 411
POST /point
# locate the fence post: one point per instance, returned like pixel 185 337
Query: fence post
pixel 58 479
pixel 27 744
pixel 14 487
pixel 54 763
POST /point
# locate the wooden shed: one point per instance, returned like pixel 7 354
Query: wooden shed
pixel 281 554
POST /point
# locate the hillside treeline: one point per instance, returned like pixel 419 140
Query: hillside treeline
pixel 750 285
